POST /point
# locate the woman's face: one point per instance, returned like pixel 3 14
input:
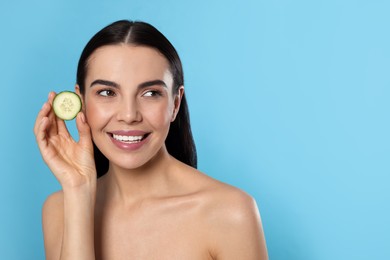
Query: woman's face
pixel 129 103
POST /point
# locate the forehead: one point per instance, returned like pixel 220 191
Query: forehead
pixel 128 63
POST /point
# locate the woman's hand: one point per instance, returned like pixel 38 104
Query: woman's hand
pixel 71 162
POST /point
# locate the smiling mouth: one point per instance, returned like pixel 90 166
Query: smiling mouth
pixel 130 139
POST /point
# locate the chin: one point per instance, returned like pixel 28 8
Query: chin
pixel 135 161
pixel 129 163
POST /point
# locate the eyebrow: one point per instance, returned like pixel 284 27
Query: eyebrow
pixel 140 86
pixel 104 83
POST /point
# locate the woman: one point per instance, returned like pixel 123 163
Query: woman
pixel 149 201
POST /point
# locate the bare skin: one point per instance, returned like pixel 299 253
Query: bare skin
pixel 148 205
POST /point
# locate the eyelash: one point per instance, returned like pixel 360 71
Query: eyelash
pixel 107 91
pixel 153 92
pixel 111 93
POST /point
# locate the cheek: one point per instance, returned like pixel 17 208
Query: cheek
pixel 96 115
pixel 159 115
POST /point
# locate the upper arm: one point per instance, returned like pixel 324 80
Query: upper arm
pixel 237 232
pixel 52 224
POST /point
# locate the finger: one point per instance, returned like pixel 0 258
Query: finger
pixel 41 135
pixel 84 130
pixel 61 127
pixel 42 113
pixel 52 117
pixel 51 96
pixel 47 150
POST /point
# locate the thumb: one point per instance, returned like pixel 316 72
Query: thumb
pixel 84 130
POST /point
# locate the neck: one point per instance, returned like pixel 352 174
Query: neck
pixel 148 181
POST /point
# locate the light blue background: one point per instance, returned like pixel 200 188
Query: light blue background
pixel 289 101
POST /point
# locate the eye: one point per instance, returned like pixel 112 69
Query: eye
pixel 106 93
pixel 152 93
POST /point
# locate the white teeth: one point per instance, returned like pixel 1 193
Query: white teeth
pixel 127 138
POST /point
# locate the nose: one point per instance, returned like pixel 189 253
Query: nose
pixel 128 111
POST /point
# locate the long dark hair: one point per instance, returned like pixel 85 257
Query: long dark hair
pixel 180 143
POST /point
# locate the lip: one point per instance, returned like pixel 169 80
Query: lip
pixel 129 146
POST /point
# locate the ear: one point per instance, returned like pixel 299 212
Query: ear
pixel 177 102
pixel 78 92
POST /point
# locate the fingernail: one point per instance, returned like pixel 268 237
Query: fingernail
pixel 82 117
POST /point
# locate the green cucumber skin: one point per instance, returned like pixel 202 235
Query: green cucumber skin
pixel 73 96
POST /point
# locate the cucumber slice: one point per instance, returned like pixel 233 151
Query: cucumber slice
pixel 67 105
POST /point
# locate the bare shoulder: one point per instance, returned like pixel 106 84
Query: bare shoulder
pixel 220 198
pixel 226 204
pixel 53 208
pixel 52 223
pixel 53 200
pixel 232 220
